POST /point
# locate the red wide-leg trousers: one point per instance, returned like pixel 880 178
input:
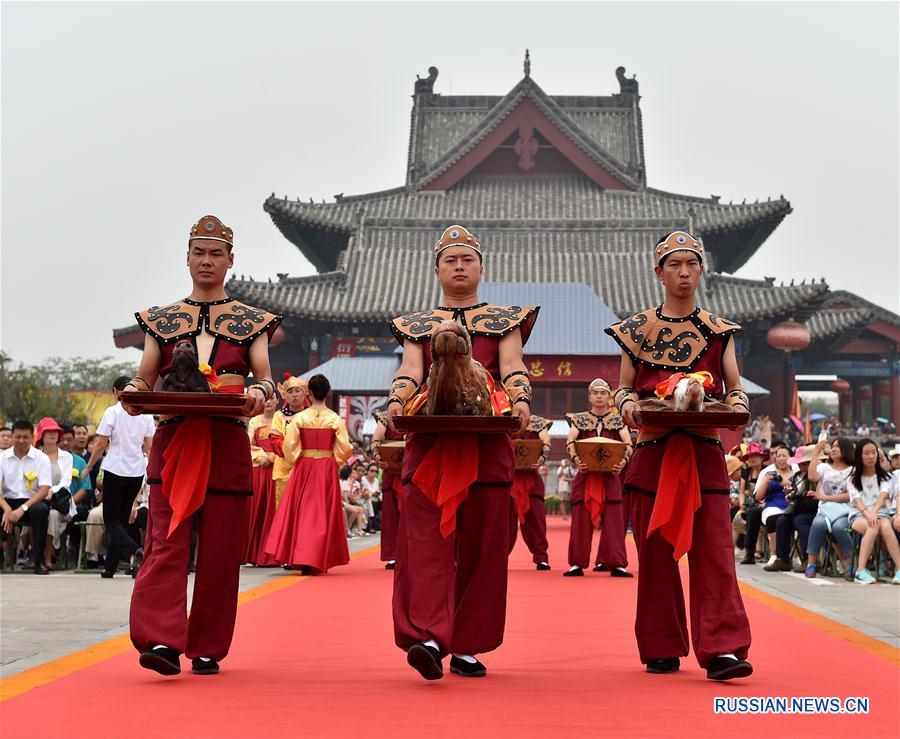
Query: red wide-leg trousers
pixel 159 600
pixel 390 515
pixel 719 622
pixel 611 549
pixel 453 589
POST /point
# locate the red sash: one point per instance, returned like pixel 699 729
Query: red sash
pixel 594 496
pixel 446 473
pixel 520 492
pixel 185 471
pixel 678 495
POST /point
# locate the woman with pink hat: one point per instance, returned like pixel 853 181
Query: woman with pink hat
pixel 752 457
pixel 47 436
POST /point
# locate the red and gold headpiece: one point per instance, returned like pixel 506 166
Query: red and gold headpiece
pixel 678 241
pixel 599 384
pixel 457 236
pixel 210 227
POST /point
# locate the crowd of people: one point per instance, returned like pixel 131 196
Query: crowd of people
pixel 820 494
pixel 795 509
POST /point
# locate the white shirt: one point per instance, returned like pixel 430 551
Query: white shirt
pixel 64 460
pixel 125 455
pixel 13 471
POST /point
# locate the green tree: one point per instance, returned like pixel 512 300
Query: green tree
pixel 35 391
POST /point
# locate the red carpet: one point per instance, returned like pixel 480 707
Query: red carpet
pixel 317 659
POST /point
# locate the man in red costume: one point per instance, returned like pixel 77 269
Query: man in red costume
pixel 450 581
pixel 596 494
pixel 527 493
pixel 677 479
pixel 200 467
pixel 390 492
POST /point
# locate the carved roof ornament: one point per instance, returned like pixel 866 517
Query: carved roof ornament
pixel 426 85
pixel 527 64
pixel 627 85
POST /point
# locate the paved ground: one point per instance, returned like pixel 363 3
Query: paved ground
pixel 43 618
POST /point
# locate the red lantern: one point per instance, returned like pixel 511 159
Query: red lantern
pixel 884 389
pixel 840 386
pixel 865 393
pixel 789 336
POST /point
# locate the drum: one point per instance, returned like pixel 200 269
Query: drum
pixel 599 454
pixel 527 451
pixel 392 455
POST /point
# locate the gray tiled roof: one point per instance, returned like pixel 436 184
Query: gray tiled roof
pixel 362 375
pixel 541 202
pixel 830 323
pixel 611 123
pixel 388 271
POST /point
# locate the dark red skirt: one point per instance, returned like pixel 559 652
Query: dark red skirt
pixel 309 526
pixel 262 514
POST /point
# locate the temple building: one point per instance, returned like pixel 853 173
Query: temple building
pixel 556 189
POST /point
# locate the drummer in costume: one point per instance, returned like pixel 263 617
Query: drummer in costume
pixel 262 505
pixel 677 479
pixel 597 494
pixel 309 530
pixel 199 466
pixel 527 498
pixel 390 492
pixel 450 581
pixel 296 397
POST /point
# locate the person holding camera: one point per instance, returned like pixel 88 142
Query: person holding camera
pixel 772 490
pixel 799 514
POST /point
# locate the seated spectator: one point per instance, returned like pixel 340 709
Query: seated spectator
pixel 771 490
pixel 870 488
pixel 358 495
pixel 5 438
pixel 799 514
pixel 355 515
pixel 753 458
pixel 82 494
pixel 894 457
pixel 95 546
pixel 832 516
pixel 25 481
pixel 59 498
pixel 371 485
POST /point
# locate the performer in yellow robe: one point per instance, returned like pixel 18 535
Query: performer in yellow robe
pixel 309 530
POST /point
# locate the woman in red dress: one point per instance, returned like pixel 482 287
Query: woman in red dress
pixel 309 530
pixel 262 504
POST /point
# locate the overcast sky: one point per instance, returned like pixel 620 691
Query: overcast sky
pixel 122 123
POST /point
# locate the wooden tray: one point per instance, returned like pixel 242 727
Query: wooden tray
pixel 527 451
pixel 392 455
pixel 599 454
pixel 186 404
pixel 446 424
pixel 697 419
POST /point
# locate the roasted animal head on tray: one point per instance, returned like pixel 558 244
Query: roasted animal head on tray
pixel 688 395
pixel 457 384
pixel 185 375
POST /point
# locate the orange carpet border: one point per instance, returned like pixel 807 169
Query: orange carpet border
pixel 35 677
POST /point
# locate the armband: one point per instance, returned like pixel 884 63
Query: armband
pixel 139 379
pixel 738 398
pixel 623 396
pixel 518 387
pixel 402 389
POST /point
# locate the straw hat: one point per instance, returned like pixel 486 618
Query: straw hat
pixel 733 464
pixel 803 454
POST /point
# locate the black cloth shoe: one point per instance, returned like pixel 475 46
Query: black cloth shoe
pixel 542 566
pixel 138 557
pixel 619 572
pixel 426 660
pixel 726 668
pixel 577 572
pixel 748 560
pixel 208 666
pixel 91 564
pixel 390 565
pixel 663 666
pixel 41 569
pixel 107 574
pixel 467 669
pixel 600 567
pixel 163 660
